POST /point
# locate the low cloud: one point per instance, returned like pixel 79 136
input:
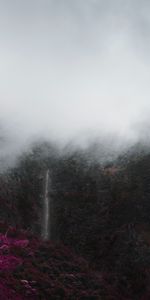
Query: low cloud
pixel 70 69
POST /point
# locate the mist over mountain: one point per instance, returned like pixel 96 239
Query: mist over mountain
pixel 74 150
pixel 70 69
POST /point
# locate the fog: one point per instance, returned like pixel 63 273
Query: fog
pixel 72 70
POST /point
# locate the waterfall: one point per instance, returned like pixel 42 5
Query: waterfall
pixel 46 217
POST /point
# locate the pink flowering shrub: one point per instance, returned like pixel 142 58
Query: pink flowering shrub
pixel 33 269
pixel 9 262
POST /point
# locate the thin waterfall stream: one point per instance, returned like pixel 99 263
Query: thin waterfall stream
pixel 46 222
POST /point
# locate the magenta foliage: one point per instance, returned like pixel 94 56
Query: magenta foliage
pixel 9 262
pixel 34 269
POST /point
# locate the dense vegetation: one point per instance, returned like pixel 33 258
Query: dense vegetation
pixel 100 211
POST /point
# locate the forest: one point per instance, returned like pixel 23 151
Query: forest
pixel 99 226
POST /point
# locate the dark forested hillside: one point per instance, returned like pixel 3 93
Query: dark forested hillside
pixel 100 211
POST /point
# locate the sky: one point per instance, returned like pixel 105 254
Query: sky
pixel 72 69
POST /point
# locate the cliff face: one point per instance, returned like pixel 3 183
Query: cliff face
pixel 101 212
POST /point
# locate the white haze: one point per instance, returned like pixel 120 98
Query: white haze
pixel 72 69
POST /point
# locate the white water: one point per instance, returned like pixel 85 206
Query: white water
pixel 46 207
